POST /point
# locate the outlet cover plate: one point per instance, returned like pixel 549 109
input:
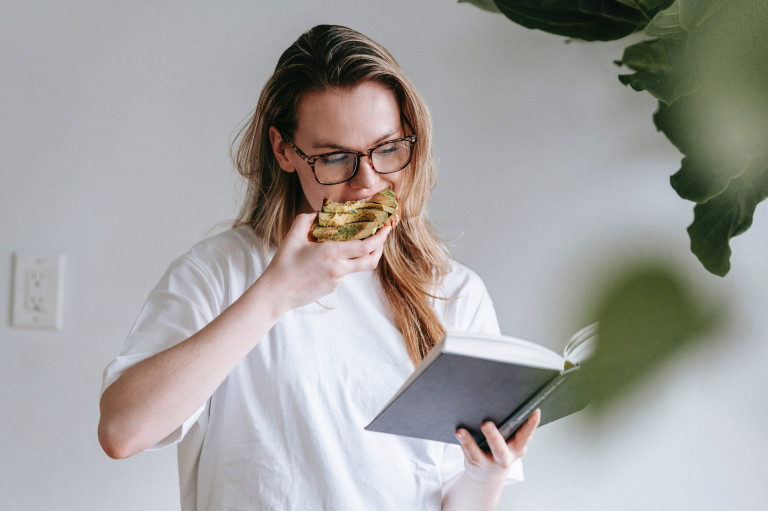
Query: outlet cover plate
pixel 37 290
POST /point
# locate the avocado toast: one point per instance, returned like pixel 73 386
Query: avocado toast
pixel 355 220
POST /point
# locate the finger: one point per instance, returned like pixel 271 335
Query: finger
pixel 519 442
pixel 365 262
pixel 302 226
pixel 304 219
pixel 361 248
pixel 376 241
pixel 530 425
pixel 498 446
pixel 472 452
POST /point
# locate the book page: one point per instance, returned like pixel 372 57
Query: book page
pixel 504 349
pixel 581 346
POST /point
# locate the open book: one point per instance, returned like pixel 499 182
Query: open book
pixel 468 379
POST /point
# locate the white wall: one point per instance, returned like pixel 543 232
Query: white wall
pixel 114 128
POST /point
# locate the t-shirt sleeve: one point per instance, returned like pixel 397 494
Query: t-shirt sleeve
pixel 468 307
pixel 463 303
pixel 181 304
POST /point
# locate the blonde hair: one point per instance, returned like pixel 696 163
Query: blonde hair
pixel 414 261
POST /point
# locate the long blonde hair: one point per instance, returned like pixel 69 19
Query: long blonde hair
pixel 414 261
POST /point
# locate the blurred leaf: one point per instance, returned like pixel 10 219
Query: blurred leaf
pixel 720 138
pixel 645 317
pixel 682 17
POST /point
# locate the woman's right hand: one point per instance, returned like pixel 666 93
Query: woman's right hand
pixel 303 271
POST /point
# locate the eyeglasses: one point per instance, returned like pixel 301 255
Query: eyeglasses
pixel 340 166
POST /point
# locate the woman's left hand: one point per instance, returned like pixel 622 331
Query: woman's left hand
pixel 488 467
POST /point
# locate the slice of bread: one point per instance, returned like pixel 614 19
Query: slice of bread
pixel 352 231
pixel 385 198
pixel 344 207
pixel 353 215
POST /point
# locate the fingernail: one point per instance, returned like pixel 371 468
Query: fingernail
pixel 460 435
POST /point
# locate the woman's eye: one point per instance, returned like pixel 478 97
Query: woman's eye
pixel 387 149
pixel 336 159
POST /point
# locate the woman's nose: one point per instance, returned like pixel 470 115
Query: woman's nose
pixel 365 177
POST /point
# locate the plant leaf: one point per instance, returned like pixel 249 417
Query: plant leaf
pixel 648 7
pixel 699 181
pixel 666 23
pixel 650 56
pixel 674 57
pixel 709 69
pixel 659 69
pixel 590 20
pixel 681 17
pixel 718 145
pixel 727 215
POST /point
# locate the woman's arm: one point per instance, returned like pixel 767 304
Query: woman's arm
pixel 152 398
pixel 479 486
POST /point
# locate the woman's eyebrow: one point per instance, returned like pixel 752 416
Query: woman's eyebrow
pixel 329 145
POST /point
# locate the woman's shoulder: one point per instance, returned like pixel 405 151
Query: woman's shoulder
pixel 230 237
pixel 460 278
pixel 228 241
pixel 466 304
pixel 236 247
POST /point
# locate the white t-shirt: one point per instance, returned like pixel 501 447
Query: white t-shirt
pixel 285 429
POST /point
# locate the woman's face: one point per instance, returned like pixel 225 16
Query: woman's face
pixel 353 119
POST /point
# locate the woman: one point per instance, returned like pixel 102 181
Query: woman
pixel 265 354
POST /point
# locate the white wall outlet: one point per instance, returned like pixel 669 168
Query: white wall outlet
pixel 37 290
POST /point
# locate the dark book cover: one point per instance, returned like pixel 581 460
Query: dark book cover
pixel 460 391
pixel 469 379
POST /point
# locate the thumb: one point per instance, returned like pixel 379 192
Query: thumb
pixel 302 224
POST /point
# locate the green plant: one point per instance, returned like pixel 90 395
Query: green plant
pixel 708 67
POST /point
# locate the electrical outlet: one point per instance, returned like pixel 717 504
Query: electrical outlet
pixel 37 290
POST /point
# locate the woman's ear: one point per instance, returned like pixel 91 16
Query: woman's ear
pixel 281 149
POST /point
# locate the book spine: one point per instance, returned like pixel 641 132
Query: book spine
pixel 511 424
